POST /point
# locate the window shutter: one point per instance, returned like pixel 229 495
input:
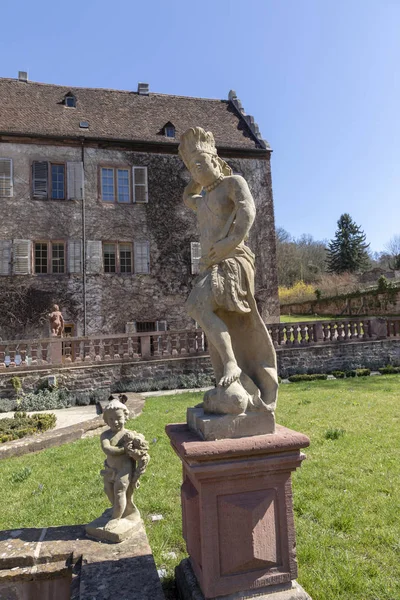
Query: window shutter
pixel 22 257
pixel 142 257
pixel 75 180
pixel 74 256
pixel 5 257
pixel 6 178
pixel 140 193
pixel 161 325
pixel 40 176
pixel 94 260
pixel 195 253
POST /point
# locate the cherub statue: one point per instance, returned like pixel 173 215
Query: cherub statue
pixel 222 299
pixel 126 459
pixel 56 322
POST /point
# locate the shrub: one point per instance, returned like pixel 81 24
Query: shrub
pixel 333 433
pixel 17 384
pixel 363 372
pixel 22 425
pixel 7 404
pixel 300 292
pixel 339 374
pixel 308 377
pixel 351 373
pixel 46 400
pixel 389 370
pixel 171 382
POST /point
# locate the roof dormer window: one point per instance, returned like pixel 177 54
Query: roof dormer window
pixel 169 130
pixel 70 100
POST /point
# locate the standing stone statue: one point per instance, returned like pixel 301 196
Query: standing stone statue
pixel 126 459
pixel 56 322
pixel 222 300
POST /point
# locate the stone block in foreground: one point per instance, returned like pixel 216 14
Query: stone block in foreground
pixel 217 427
pixel 62 563
pixel 237 512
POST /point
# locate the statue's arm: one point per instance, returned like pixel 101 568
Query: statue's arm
pixel 111 450
pixel 244 215
pixel 191 194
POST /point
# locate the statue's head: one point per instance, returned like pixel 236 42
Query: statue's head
pixel 198 152
pixel 56 307
pixel 115 415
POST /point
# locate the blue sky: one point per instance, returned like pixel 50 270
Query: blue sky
pixel 321 78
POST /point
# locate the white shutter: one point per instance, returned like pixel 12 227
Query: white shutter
pixel 74 256
pixel 5 257
pixel 94 258
pixel 140 193
pixel 161 325
pixel 6 178
pixel 40 176
pixel 75 180
pixel 22 257
pixel 195 253
pixel 142 257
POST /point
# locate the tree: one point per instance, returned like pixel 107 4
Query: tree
pixel 393 248
pixel 347 252
pixel 301 259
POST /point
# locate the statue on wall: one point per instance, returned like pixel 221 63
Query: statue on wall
pixel 126 460
pixel 222 299
pixel 56 322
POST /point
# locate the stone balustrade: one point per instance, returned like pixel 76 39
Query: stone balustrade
pixel 169 344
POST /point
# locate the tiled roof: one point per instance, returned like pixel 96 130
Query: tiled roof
pixel 37 109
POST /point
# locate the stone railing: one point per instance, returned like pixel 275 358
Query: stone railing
pixel 102 348
pixel 169 344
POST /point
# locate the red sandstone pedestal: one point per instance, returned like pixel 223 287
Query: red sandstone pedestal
pixel 237 514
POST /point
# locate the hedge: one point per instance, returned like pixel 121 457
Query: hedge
pixel 22 425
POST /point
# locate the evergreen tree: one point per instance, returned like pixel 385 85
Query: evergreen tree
pixel 347 252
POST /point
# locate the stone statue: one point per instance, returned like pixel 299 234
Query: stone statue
pixel 56 322
pixel 222 299
pixel 126 459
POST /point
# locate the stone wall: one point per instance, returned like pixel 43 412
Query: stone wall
pixel 366 303
pixel 320 358
pixel 113 300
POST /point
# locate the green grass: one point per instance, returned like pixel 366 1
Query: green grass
pixel 300 318
pixel 346 495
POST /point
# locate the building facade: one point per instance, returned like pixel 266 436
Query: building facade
pixel 92 216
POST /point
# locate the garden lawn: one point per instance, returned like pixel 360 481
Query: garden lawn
pixel 309 318
pixel 346 495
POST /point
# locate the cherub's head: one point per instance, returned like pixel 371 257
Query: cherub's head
pixel 55 308
pixel 115 415
pixel 198 152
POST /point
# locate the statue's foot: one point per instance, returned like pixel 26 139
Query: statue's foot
pixel 112 524
pixel 231 373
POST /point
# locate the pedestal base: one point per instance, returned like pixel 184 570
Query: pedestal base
pixel 122 530
pixel 189 588
pixel 219 427
pixel 237 512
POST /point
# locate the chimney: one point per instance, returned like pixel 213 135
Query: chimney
pixel 143 89
pixel 23 76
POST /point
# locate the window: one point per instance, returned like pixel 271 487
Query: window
pixel 169 130
pixel 70 100
pixel 117 257
pixel 48 180
pixel 116 184
pixel 195 255
pixel 49 257
pixel 110 258
pixel 6 178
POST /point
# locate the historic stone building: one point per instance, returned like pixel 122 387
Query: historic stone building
pixel 91 206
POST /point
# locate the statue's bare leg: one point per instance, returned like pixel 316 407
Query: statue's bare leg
pixel 201 307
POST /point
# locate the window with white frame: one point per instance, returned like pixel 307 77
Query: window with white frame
pixel 49 257
pixel 123 185
pixel 6 177
pixel 117 257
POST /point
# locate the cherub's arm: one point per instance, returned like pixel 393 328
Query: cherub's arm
pixel 244 215
pixel 191 194
pixel 111 450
